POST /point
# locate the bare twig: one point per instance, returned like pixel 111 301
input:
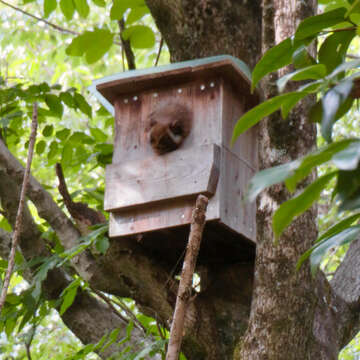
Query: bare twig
pixel 122 306
pixel 28 352
pixel 108 301
pixel 129 54
pixel 54 26
pixel 350 28
pixel 18 221
pixel 352 56
pixel 159 51
pixel 129 313
pixel 185 288
pixel 29 341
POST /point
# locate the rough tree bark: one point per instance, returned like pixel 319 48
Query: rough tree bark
pixel 281 314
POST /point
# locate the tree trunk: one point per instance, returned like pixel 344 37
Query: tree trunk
pixel 270 312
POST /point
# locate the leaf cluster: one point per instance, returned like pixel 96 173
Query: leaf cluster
pixel 334 80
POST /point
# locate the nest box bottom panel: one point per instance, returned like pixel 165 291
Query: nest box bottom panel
pixel 219 246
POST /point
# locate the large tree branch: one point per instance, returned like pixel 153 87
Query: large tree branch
pixel 125 270
pixel 346 285
pixel 48 210
pixel 87 317
pixel 332 320
pixel 196 29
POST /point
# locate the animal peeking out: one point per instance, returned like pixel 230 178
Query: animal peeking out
pixel 169 125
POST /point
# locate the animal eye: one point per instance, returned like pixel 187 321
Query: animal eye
pixel 176 128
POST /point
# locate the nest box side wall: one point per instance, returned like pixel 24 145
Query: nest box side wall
pixel 239 165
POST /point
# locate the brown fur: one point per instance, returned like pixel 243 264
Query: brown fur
pixel 169 125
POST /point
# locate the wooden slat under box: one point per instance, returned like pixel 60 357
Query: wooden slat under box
pixel 181 173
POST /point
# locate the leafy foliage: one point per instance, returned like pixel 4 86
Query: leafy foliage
pixel 334 80
pixel 34 60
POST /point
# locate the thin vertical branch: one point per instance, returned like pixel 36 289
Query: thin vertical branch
pixel 185 286
pixel 18 221
pixel 159 51
pixel 129 54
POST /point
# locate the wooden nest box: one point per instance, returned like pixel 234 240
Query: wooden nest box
pixel 173 127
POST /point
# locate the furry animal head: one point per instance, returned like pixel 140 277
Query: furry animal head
pixel 169 124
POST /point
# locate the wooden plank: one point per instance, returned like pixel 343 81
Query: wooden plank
pixel 245 147
pixel 202 97
pixel 235 213
pixel 176 174
pixel 158 216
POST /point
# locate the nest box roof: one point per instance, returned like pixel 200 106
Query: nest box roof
pixel 107 89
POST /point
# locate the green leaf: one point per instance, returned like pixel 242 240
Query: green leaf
pixel 269 177
pixel 312 160
pixel 102 244
pixel 54 104
pixel 81 138
pixel 82 8
pixel 54 147
pixel 274 59
pixel 40 147
pixel 290 102
pixel 77 46
pixel 333 49
pixel 301 58
pixel 99 43
pixel 349 158
pixel 49 7
pixel 293 172
pixel 297 205
pixel 314 24
pixel 340 226
pixel 63 134
pixel 67 154
pixel 136 14
pixel 99 135
pixel 67 99
pixel 315 113
pixel 342 238
pixel 352 203
pixel 118 9
pixel 67 8
pixel 48 130
pixel 331 103
pixel 94 44
pixel 348 189
pixel 311 72
pixel 100 3
pixel 354 8
pixel 140 36
pixel 82 104
pixel 349 65
pixel 266 108
pixel 68 295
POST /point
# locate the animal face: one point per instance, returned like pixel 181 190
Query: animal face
pixel 169 125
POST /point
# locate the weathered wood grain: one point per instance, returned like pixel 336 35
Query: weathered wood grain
pixel 158 178
pixel 147 192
